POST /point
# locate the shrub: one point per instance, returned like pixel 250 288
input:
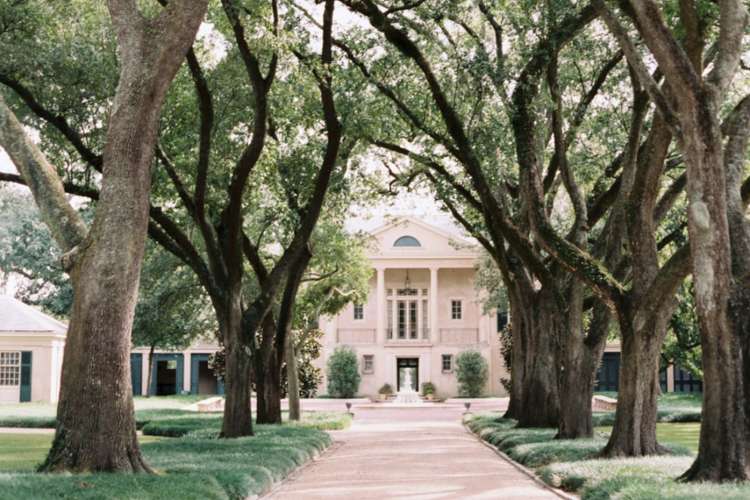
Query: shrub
pixel 471 373
pixel 343 373
pixel 428 388
pixel 386 389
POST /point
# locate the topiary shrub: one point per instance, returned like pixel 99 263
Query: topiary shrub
pixel 343 373
pixel 471 374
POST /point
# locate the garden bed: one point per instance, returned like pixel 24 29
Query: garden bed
pixel 191 467
pixel 572 465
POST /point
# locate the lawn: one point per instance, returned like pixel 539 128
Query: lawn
pixel 682 434
pixel 190 467
pixel 181 446
pixel 194 466
pixel 43 414
pixel 574 466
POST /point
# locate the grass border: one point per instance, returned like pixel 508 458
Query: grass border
pixel 526 471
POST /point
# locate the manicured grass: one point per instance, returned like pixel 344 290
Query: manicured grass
pixel 672 407
pixel 573 466
pixel 682 434
pixel 191 467
pixel 22 452
pixel 177 424
pixel 42 415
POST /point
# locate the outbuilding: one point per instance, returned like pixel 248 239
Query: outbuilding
pixel 31 353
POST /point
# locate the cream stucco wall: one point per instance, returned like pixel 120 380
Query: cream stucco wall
pixel 46 362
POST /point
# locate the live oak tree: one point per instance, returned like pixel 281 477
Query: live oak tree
pixel 692 107
pixel 95 423
pixel 217 184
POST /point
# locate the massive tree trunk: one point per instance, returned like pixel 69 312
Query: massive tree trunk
pixel 518 348
pixel 267 375
pixel 238 369
pixel 634 431
pixel 540 397
pixel 581 357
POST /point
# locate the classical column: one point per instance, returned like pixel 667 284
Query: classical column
pixel 380 320
pixel 434 331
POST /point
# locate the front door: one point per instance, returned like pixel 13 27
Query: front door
pixel 407 374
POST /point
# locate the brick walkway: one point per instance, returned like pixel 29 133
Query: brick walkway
pixel 409 453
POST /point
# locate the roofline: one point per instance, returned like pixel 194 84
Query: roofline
pixel 422 224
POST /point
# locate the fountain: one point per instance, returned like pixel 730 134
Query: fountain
pixel 407 395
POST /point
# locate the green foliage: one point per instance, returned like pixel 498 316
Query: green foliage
pixel 171 311
pixel 343 373
pixel 307 347
pixel 28 252
pixel 682 346
pixel 428 388
pixel 471 374
pixel 386 389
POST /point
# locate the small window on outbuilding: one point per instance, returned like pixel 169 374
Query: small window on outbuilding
pixel 407 241
pixel 368 363
pixel 359 311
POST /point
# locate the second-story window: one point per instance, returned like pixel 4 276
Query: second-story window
pixel 456 310
pixel 359 311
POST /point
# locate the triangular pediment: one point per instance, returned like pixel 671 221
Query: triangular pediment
pixel 410 237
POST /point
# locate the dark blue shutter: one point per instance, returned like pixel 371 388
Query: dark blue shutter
pixel 136 372
pixel 25 376
pixel 180 359
pixel 195 360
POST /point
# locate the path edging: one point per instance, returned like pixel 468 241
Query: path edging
pixel 528 472
pixel 298 471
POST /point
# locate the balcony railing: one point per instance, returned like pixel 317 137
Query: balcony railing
pixel 422 334
pixel 459 335
pixel 356 336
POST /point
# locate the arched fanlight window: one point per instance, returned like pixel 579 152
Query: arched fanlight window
pixel 407 241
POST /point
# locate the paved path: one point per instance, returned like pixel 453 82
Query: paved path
pixel 409 453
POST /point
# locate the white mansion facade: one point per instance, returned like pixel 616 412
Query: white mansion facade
pixel 422 310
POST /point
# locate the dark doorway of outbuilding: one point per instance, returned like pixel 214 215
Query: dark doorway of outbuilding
pixel 166 377
pixel 203 380
pixel 206 379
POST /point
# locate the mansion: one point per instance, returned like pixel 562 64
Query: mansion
pixel 422 310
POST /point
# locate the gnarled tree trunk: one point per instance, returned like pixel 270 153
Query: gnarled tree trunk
pixel 634 431
pixel 581 358
pixel 540 397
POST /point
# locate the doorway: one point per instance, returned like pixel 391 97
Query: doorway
pixel 166 377
pixel 407 374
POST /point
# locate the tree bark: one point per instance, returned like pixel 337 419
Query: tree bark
pixel 634 431
pixel 581 358
pixel 238 368
pixel 540 397
pixel 150 370
pixel 292 377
